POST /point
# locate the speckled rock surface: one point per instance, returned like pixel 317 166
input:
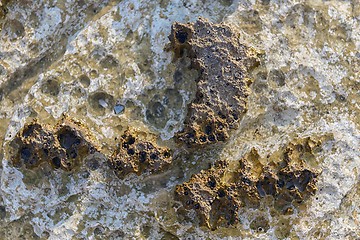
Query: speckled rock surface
pixel 223 85
pixel 104 63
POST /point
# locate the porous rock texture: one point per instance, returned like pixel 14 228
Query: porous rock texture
pixel 134 155
pixel 223 85
pixel 63 146
pixel 217 194
pixel 83 58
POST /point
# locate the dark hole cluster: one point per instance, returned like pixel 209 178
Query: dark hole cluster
pixel 134 156
pixel 56 161
pixel 181 36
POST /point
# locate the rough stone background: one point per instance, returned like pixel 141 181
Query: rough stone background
pixel 85 57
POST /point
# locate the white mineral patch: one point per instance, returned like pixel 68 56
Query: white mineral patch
pixel 49 21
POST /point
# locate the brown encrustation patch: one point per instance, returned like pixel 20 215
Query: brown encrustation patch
pixel 134 155
pixel 3 8
pixel 69 142
pixel 63 146
pixel 223 85
pixel 217 194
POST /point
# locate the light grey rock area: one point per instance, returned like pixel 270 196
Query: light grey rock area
pixel 90 90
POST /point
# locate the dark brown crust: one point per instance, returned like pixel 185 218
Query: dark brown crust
pixel 3 8
pixel 133 155
pixel 223 85
pixel 216 194
pixel 63 146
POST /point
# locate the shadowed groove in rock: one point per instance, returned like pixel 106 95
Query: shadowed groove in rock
pixel 48 56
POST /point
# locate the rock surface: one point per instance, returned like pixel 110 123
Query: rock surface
pixel 84 58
